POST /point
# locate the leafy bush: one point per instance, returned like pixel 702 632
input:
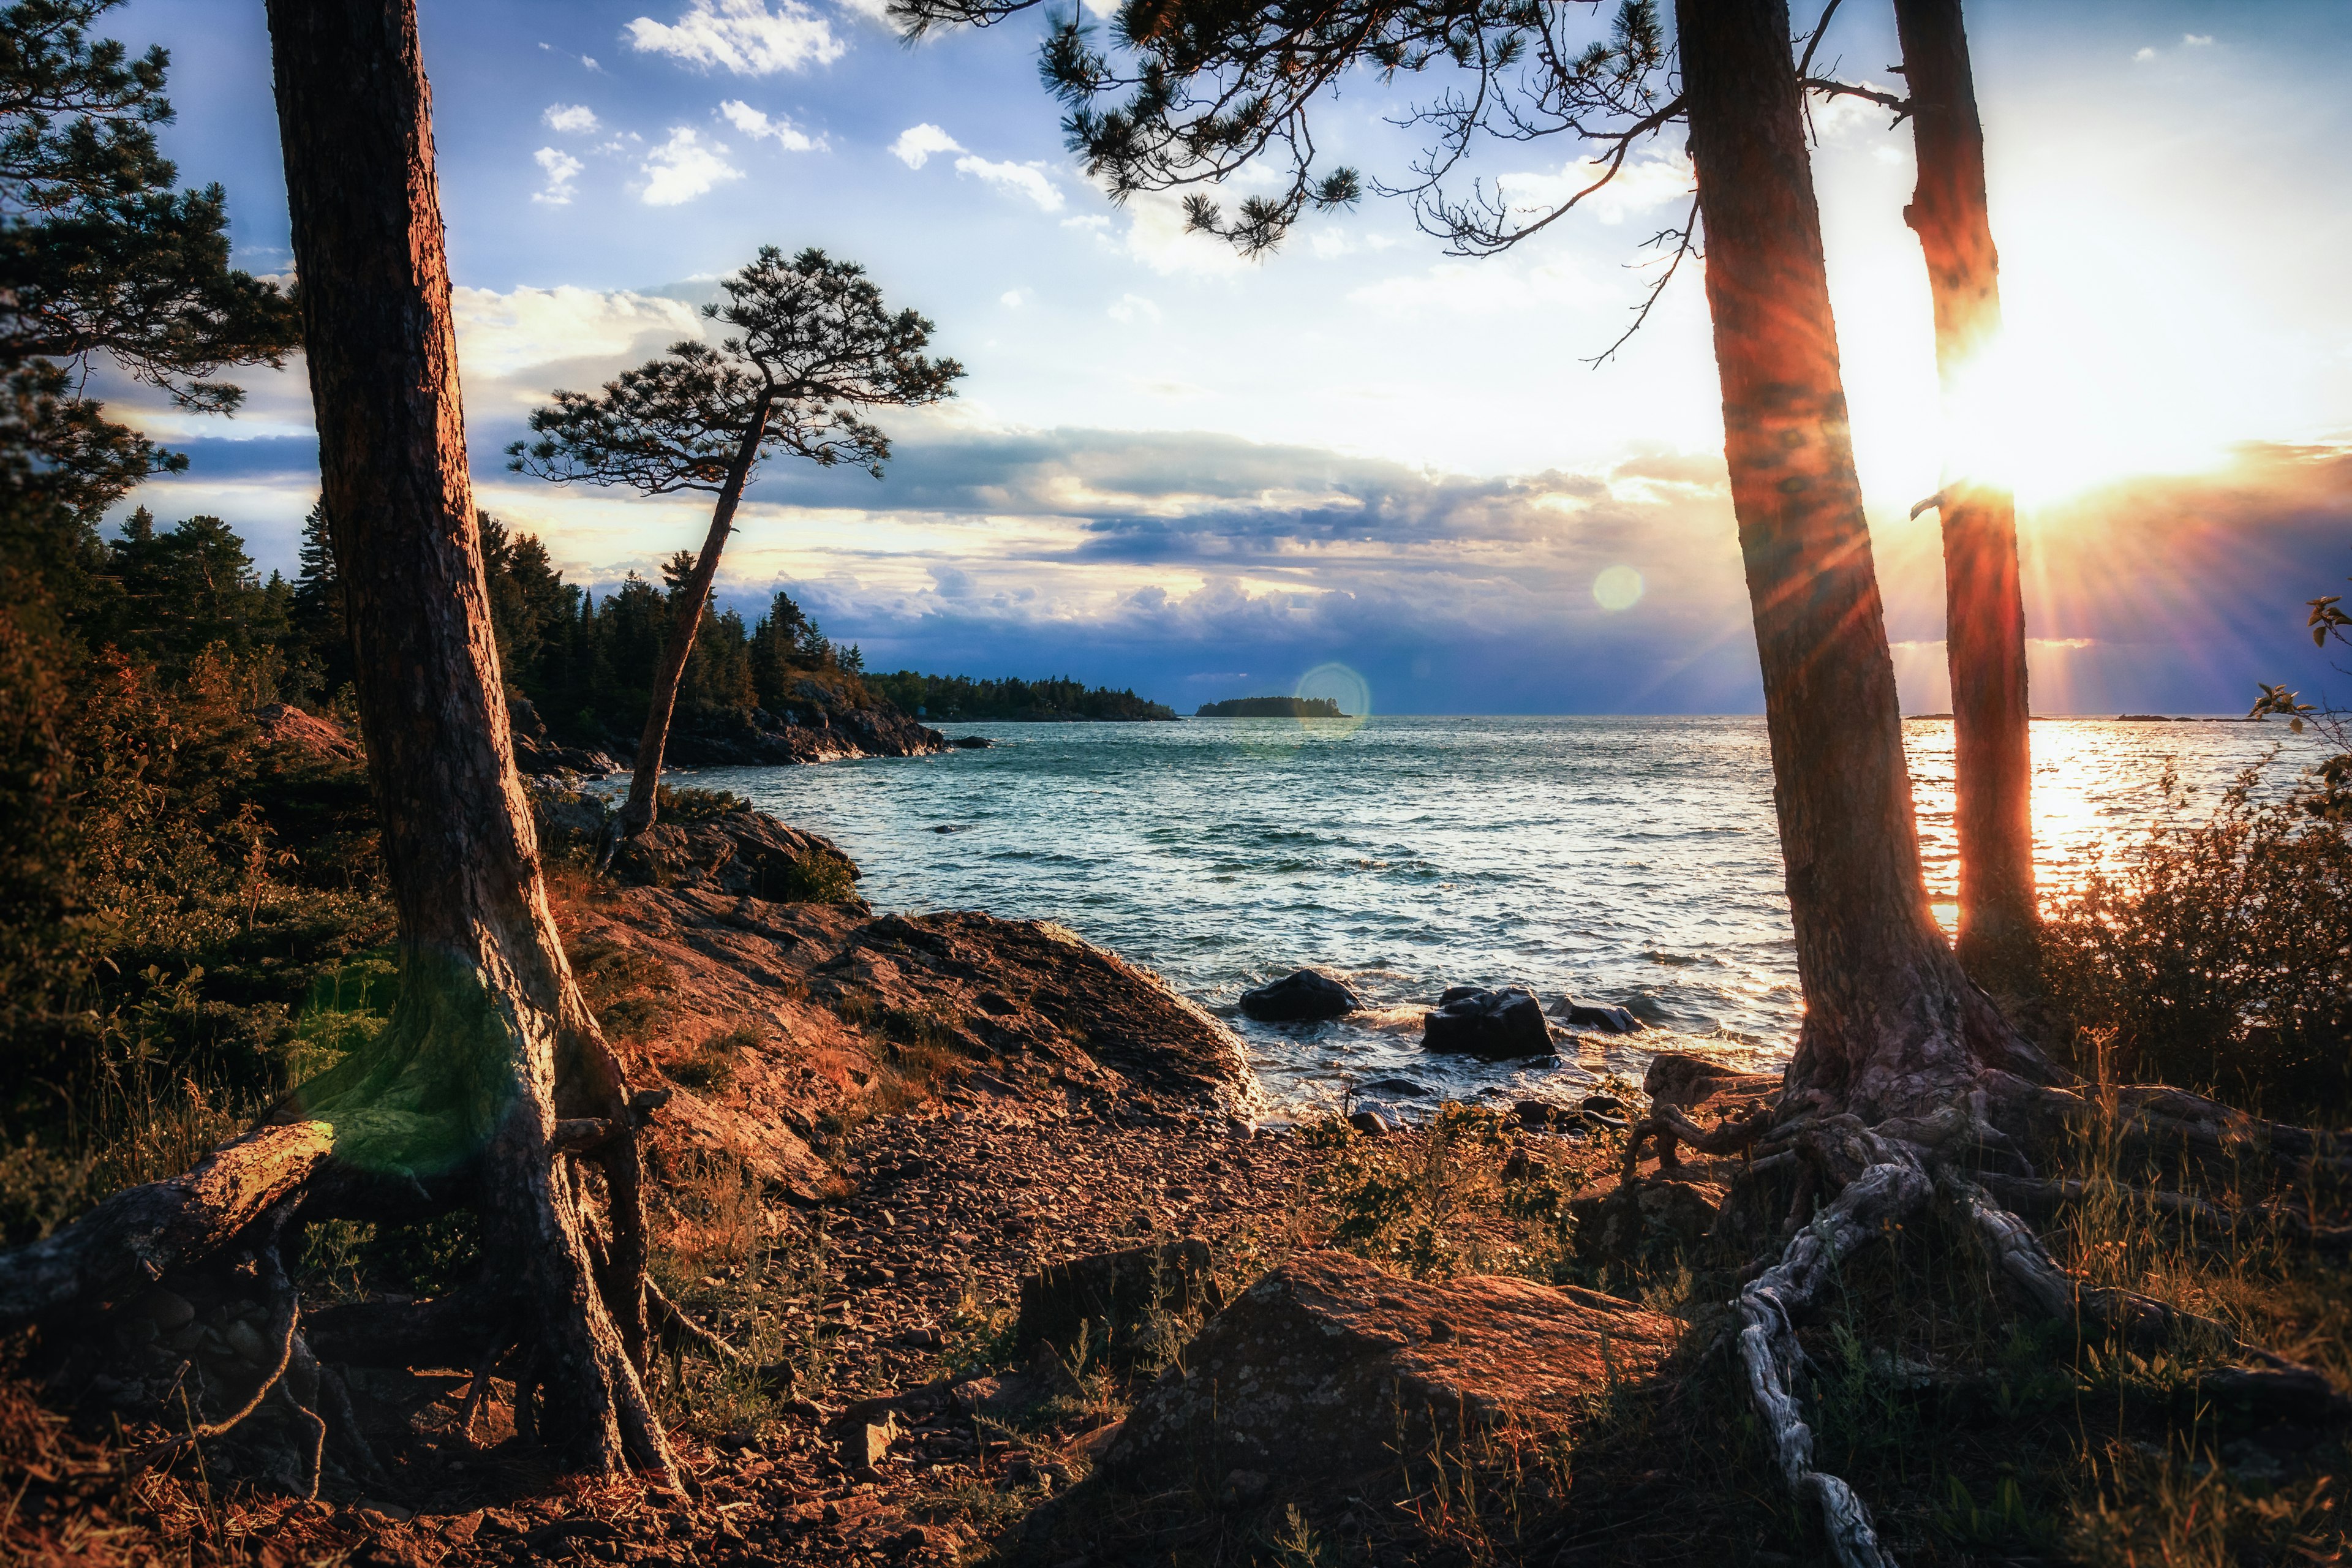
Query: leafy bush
pixel 2220 953
pixel 686 802
pixel 815 879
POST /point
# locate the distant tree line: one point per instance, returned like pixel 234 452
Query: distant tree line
pixel 949 697
pixel 1272 708
pixel 587 664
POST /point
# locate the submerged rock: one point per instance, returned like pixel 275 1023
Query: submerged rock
pixel 972 742
pixel 1310 1372
pixel 1610 1020
pixel 1396 1089
pixel 1491 1024
pixel 1303 994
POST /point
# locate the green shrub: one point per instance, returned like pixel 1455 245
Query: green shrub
pixel 686 802
pixel 816 877
pixel 2219 954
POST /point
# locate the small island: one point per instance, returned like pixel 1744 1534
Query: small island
pixel 1272 708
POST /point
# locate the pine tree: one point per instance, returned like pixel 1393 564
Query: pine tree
pixel 812 347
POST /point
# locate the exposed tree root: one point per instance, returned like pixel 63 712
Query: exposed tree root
pixel 139 1234
pixel 1981 1143
pixel 677 1323
pixel 1769 1308
pixel 2196 1217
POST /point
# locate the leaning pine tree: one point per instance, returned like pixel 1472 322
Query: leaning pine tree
pixel 811 345
pixel 1908 1087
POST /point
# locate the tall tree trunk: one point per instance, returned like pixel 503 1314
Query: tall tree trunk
pixel 490 1044
pixel 645 785
pixel 1984 608
pixel 1892 1026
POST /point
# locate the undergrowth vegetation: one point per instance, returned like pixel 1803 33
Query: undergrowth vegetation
pixel 2216 954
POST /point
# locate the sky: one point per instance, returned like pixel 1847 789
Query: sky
pixel 1203 477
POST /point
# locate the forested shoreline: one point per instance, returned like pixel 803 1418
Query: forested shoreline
pixel 953 698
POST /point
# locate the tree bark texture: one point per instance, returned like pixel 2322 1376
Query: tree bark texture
pixel 490 1043
pixel 645 785
pixel 1892 1026
pixel 1984 605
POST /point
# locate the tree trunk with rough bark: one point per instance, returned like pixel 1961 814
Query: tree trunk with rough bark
pixel 1984 607
pixel 491 1045
pixel 693 596
pixel 1892 1025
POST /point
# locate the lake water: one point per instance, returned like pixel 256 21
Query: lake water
pixel 1626 862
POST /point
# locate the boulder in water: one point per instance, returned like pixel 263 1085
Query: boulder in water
pixel 1608 1020
pixel 1497 1025
pixel 972 742
pixel 1303 994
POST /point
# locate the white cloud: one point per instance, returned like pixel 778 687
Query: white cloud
pixel 2197 40
pixel 684 167
pixel 2145 54
pixel 572 119
pixel 1477 288
pixel 1156 235
pixel 1094 222
pixel 502 335
pixel 560 168
pixel 744 35
pixel 918 143
pixel 1133 307
pixel 1014 179
pixel 756 125
pixel 1011 299
pixel 1329 242
pixel 1641 184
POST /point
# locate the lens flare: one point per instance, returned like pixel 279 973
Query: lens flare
pixel 1618 588
pixel 1342 685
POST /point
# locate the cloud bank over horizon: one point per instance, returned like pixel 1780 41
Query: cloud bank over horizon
pixel 1173 469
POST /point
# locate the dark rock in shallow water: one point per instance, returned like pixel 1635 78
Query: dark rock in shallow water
pixel 1492 1024
pixel 973 742
pixel 1395 1087
pixel 1581 1015
pixel 1301 994
pixel 1648 1008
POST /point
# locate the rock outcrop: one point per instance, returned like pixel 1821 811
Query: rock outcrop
pixel 744 852
pixel 1114 1298
pixel 1043 1007
pixel 1498 1024
pixel 825 719
pixel 1327 1367
pixel 1298 996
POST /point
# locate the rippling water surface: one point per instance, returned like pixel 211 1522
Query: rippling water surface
pixel 1630 861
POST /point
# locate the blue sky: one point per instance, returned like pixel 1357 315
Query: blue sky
pixel 1174 470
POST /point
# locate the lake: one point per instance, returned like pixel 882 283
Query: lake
pixel 1631 862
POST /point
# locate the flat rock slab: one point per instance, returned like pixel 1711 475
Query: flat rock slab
pixel 1327 1364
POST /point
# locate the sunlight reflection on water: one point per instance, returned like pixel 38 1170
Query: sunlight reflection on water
pixel 1631 862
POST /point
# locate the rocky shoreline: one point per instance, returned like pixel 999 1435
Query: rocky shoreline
pixel 910 1171
pixel 826 721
